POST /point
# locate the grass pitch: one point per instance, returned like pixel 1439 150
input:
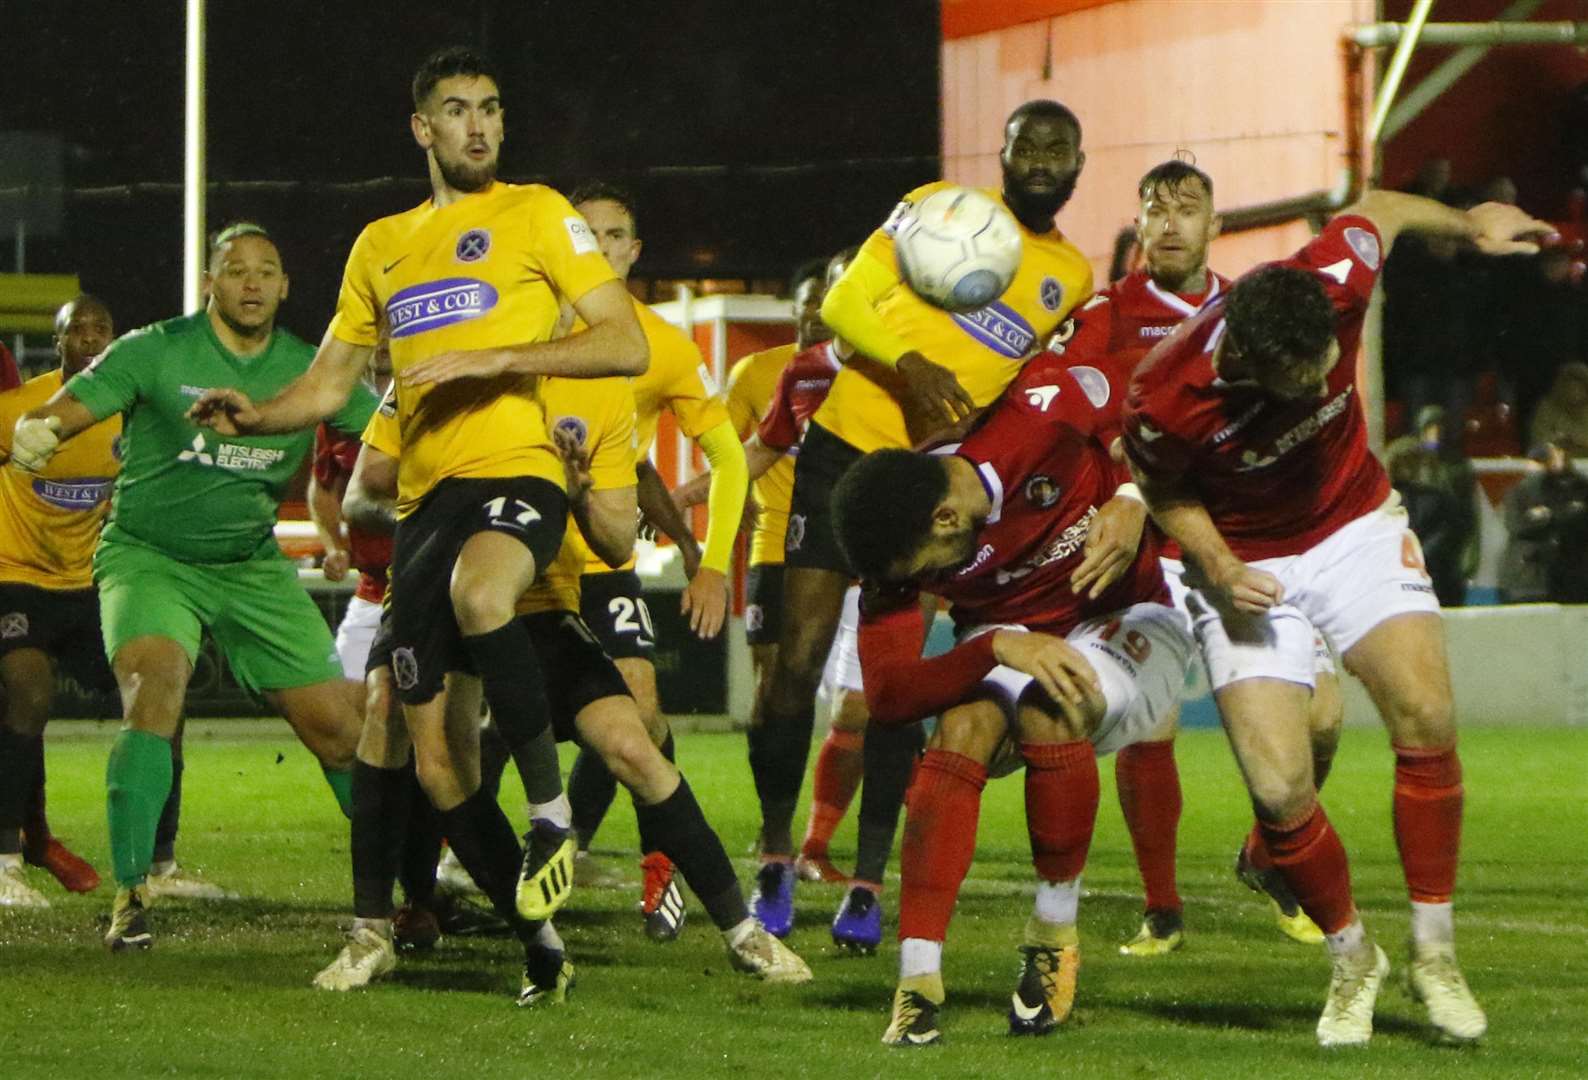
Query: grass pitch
pixel 225 992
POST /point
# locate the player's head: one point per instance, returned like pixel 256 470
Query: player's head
pixel 1041 157
pixel 807 287
pixel 1280 324
pixel 610 211
pixel 839 263
pixel 245 279
pixel 1175 222
pixel 83 327
pixel 457 117
pixel 897 518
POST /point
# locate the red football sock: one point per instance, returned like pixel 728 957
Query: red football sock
pixel 1428 797
pixel 839 764
pixel 1061 806
pixel 1256 850
pixel 943 806
pixel 1149 795
pixel 1308 852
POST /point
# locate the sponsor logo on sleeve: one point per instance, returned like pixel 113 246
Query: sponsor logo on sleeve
pixel 1364 244
pixel 473 245
pixel 1094 384
pixel 1000 328
pixel 580 236
pixel 896 218
pixel 433 304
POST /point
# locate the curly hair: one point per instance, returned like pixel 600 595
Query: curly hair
pixel 1279 317
pixel 882 509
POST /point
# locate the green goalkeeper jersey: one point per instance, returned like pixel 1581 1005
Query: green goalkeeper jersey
pixel 185 490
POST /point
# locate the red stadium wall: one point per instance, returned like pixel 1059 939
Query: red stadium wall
pixel 1255 89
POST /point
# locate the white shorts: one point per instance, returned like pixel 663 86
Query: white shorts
pixel 1140 656
pixel 1351 581
pixel 1323 662
pixel 842 671
pixel 354 636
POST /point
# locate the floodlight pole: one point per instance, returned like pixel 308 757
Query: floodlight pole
pixel 193 173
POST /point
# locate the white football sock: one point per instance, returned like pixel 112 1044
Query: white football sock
pixel 1058 901
pixel 918 956
pixel 1433 924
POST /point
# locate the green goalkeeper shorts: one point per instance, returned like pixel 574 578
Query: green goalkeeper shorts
pixel 262 620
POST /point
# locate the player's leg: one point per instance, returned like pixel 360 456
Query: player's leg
pixel 1148 784
pixel 840 761
pixel 167 878
pixel 1402 663
pixel 941 816
pixel 28 678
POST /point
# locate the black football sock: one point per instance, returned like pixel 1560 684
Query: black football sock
pixel 649 843
pixel 494 756
pixel 514 688
pixel 591 789
pixel 35 823
pixel 539 768
pixel 19 776
pixel 779 748
pixel 421 847
pixel 382 799
pixel 170 815
pixel 890 756
pixel 488 848
pixel 680 831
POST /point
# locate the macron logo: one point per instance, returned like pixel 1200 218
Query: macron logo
pixel 197 452
pixel 1042 396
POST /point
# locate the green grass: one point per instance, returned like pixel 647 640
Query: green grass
pixel 225 992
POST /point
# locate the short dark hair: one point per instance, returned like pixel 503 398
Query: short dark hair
pixel 1278 315
pixel 446 63
pixel 1043 107
pixel 231 231
pixel 606 191
pixel 1171 174
pixel 810 268
pixel 882 508
pixel 81 300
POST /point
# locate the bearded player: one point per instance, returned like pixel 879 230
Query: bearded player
pixel 1248 437
pixel 920 369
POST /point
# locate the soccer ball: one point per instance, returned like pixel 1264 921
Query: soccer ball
pixel 958 249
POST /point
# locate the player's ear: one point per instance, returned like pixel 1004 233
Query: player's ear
pixel 638 244
pixel 285 282
pixel 1215 226
pixel 421 130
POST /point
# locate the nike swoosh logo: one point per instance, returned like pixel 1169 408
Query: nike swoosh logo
pixel 389 267
pixel 1022 1010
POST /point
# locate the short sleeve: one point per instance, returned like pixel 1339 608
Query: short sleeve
pixel 1155 451
pixel 691 393
pixel 565 246
pixel 780 428
pixel 1347 257
pixel 354 415
pixel 741 397
pixel 1048 402
pixel 113 382
pixel 382 432
pixel 357 318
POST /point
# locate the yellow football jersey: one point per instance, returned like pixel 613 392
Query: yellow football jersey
pixel 751 384
pixel 984 349
pixel 487 270
pixel 677 380
pixel 50 523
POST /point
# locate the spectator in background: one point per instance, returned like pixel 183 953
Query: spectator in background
pixel 1439 490
pixel 1562 416
pixel 1546 515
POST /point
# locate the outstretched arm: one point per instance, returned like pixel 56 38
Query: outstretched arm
pixel 308 399
pixel 1495 228
pixel 39 433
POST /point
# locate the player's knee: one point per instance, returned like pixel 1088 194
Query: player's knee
pixel 1282 794
pixel 1424 720
pixel 973 731
pixel 628 752
pixel 27 707
pixel 480 604
pixel 439 779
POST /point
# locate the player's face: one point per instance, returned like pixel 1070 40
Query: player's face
pixel 808 325
pixel 82 330
pixel 461 127
pixel 614 230
pixel 1041 159
pixel 247 284
pixel 1174 226
pixel 1300 382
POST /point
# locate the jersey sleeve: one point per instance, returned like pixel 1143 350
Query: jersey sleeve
pixel 690 391
pixel 357 318
pixel 1156 451
pixel 741 397
pixel 326 466
pixel 565 246
pixel 780 428
pixel 354 416
pixel 1346 256
pixel 382 432
pixel 113 382
pixel 612 458
pixel 901 686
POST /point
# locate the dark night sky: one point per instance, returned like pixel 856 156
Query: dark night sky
pixel 755 134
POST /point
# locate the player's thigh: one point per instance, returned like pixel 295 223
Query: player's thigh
pixel 146 594
pixel 1266 722
pixel 1403 665
pixel 511 529
pixel 383 738
pixel 326 715
pixel 810 541
pixel 804 644
pixel 1140 656
pixel 978 729
pixel 355 634
pixel 578 672
pixel 271 632
pixel 28 678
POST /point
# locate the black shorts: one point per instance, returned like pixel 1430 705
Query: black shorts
pixel 763 603
pixel 425 638
pixel 613 606
pixel 810 543
pixel 576 670
pixel 61 623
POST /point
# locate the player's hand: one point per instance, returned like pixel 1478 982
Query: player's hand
pixel 1054 663
pixel 229 412
pixel 705 601
pixel 1503 229
pixel 692 492
pixel 1250 590
pixel 575 464
pixel 336 564
pixel 34 441
pixel 933 390
pixel 451 366
pixel 1111 543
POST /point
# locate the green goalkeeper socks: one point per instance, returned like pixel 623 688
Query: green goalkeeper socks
pixel 341 781
pixel 137 781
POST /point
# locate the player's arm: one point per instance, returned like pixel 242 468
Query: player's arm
pixel 39 432
pixel 657 507
pixel 325 513
pixel 607 518
pixel 1495 228
pixel 318 393
pixel 371 499
pixel 758 459
pixel 705 600
pixel 850 310
pixel 612 343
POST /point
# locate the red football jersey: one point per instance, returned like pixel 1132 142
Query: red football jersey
pixel 800 391
pixel 1038 455
pixel 1276 477
pixel 334 456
